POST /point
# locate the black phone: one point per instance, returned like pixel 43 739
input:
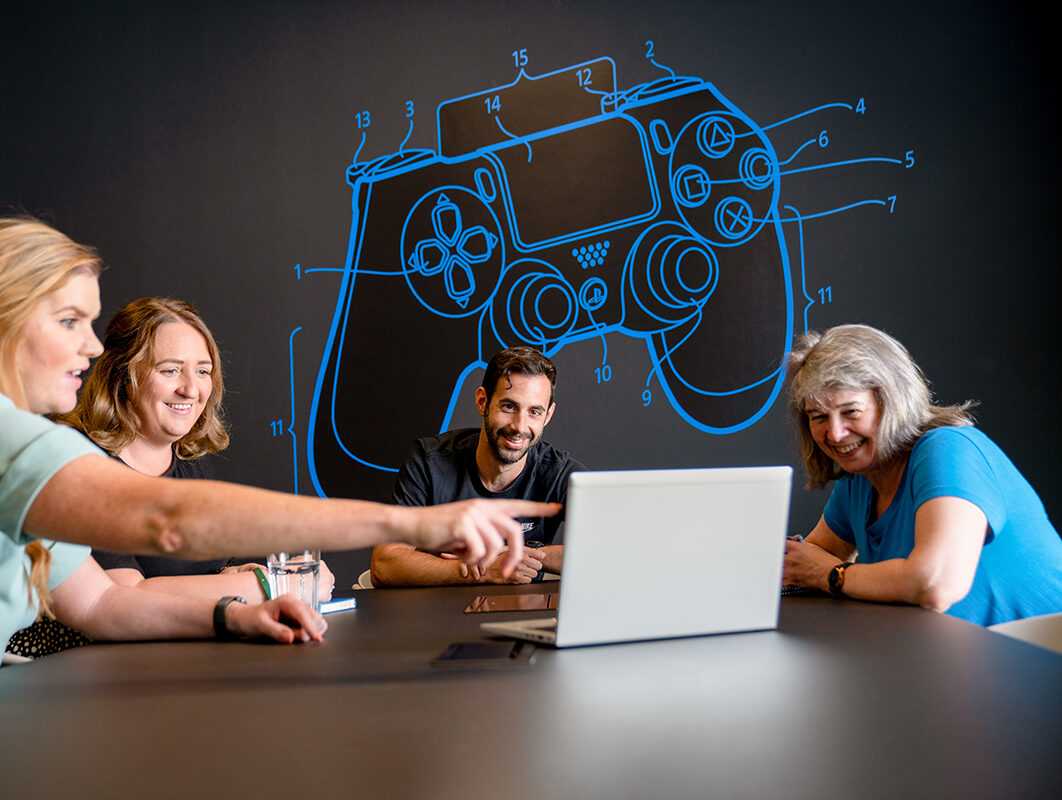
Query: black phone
pixel 488 655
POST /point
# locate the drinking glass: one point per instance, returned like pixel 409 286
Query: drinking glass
pixel 296 573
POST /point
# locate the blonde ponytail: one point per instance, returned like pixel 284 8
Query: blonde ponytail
pixel 40 561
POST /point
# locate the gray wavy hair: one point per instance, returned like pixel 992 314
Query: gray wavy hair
pixel 862 358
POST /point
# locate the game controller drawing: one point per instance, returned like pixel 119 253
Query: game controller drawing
pixel 558 209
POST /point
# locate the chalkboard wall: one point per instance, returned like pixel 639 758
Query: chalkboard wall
pixel 908 182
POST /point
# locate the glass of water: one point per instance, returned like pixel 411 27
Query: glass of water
pixel 296 573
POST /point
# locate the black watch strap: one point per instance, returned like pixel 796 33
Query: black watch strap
pixel 835 579
pixel 221 630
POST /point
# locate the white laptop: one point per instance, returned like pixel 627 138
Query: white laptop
pixel 653 554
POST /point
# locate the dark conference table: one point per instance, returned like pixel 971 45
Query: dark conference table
pixel 845 699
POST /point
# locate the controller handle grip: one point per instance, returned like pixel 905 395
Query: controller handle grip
pixel 378 387
pixel 722 369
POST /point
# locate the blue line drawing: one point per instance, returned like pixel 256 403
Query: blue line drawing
pixel 802 114
pixel 513 136
pixel 361 144
pixel 545 89
pixel 291 423
pixel 409 132
pixel 871 160
pixel 668 70
pixel 796 153
pixel 324 269
pixel 830 212
pixel 651 212
pixel 803 272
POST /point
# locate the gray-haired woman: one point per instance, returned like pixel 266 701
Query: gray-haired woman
pixel 938 514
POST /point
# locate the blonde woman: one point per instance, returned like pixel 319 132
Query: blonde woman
pixel 59 493
pixel 937 513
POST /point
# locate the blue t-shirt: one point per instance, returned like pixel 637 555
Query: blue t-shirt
pixel 32 450
pixel 1019 573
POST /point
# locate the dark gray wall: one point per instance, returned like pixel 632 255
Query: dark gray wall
pixel 203 151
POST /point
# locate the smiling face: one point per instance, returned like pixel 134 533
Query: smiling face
pixel 175 392
pixel 57 343
pixel 517 412
pixel 845 427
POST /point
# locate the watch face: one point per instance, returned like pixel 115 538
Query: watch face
pixel 836 579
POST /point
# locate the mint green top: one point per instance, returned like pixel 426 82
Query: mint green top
pixel 32 450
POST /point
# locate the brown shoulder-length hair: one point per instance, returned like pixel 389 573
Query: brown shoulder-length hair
pixel 35 260
pixel 862 358
pixel 106 411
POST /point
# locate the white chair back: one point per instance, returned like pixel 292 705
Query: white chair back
pixel 1044 630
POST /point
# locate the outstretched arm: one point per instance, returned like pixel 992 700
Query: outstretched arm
pixel 94 501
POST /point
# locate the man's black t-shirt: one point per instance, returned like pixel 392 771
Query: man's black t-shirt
pixel 442 469
pixel 158 566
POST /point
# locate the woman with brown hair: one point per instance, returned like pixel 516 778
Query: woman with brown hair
pixel 153 401
pixel 56 487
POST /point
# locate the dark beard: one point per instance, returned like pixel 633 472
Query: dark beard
pixel 505 456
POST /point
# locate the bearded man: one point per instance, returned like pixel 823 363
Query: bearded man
pixel 504 457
